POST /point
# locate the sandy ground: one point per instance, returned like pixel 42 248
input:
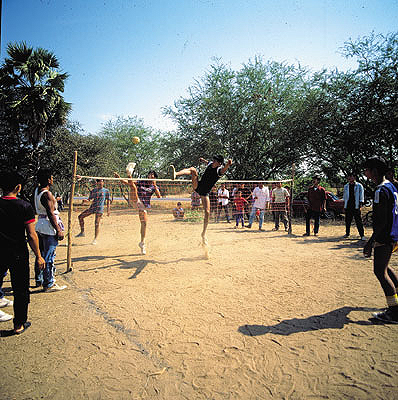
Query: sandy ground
pixel 268 315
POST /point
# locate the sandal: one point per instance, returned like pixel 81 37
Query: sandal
pixel 25 326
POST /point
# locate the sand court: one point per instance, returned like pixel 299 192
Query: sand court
pixel 267 315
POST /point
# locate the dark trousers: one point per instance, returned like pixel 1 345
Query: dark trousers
pixel 18 265
pixel 381 258
pixel 315 215
pixel 225 208
pixel 356 214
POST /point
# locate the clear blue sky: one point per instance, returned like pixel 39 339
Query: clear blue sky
pixel 132 57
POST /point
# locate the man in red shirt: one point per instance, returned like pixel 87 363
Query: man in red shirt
pixel 316 204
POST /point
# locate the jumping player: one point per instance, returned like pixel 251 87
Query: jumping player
pixel 385 235
pixel 214 170
pixel 99 196
pixel 140 194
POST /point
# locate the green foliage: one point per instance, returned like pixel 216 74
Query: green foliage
pixel 247 115
pixel 31 107
pixel 118 134
pixel 354 115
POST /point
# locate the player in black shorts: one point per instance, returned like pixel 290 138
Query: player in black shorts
pixel 214 170
pixel 17 218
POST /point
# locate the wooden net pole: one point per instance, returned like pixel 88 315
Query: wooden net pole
pixel 69 235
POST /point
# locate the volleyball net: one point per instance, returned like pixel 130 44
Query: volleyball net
pixel 165 195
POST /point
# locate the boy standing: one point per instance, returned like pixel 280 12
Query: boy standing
pixel 49 229
pixel 17 218
pixel 223 200
pixel 212 174
pixel 239 202
pixel 385 235
pixel 316 204
pixel 353 200
pixel 280 203
pixel 261 202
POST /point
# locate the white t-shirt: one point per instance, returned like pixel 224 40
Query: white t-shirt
pixel 224 192
pixel 262 197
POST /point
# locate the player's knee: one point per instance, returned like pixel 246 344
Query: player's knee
pixel 194 172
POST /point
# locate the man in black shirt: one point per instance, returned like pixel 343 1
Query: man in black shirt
pixel 214 170
pixel 17 218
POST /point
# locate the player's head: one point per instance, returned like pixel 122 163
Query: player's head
pixel 219 160
pixel 260 185
pixel 278 184
pixel 238 193
pixel 9 181
pixel 351 177
pixel 223 186
pixel 316 179
pixel 45 177
pixel 152 175
pixel 99 183
pixel 375 168
pixel 179 204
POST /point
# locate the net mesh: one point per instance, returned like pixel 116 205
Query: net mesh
pixel 177 191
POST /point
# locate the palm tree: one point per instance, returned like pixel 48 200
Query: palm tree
pixel 32 108
pixel 31 90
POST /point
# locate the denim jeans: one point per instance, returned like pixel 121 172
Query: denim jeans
pixel 239 217
pixel 253 214
pixel 48 245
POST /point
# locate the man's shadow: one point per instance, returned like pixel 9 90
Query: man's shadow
pixel 335 319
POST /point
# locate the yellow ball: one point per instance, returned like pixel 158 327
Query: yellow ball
pixel 135 139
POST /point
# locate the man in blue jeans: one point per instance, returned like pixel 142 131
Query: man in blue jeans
pixel 49 229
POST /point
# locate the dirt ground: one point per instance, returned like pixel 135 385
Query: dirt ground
pixel 268 315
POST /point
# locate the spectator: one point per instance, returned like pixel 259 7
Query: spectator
pixel 261 202
pixel 195 200
pixel 178 211
pixel 17 219
pixel 316 204
pixel 353 197
pixel 223 200
pixel 50 231
pixel 280 204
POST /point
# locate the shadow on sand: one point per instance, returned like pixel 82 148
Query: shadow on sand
pixel 335 319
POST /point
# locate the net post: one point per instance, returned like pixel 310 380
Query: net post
pixel 69 235
pixel 291 200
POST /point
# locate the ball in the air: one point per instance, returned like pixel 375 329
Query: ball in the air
pixel 135 139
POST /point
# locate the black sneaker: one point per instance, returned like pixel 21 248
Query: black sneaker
pixel 389 316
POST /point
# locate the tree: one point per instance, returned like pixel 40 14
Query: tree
pixel 354 115
pixel 31 105
pixel 119 133
pixel 249 115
